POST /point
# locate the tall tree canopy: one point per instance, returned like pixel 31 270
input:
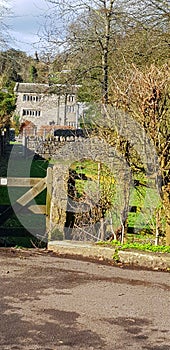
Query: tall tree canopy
pixel 98 38
pixel 7 106
pixel 87 32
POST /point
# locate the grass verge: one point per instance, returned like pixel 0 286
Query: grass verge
pixel 137 246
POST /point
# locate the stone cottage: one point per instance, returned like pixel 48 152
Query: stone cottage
pixel 44 104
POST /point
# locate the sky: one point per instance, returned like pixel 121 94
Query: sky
pixel 25 22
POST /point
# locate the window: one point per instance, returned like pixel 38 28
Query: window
pixel 68 109
pixel 71 109
pixel 31 112
pixel 71 124
pixel 33 98
pixel 71 98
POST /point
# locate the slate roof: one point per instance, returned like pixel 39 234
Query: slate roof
pixel 44 88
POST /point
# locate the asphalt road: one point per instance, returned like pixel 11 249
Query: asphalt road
pixel 48 303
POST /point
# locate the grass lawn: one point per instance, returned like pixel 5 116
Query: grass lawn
pixel 143 199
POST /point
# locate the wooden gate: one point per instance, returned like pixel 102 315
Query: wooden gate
pixel 37 185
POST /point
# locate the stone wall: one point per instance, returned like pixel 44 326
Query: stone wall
pixel 48 147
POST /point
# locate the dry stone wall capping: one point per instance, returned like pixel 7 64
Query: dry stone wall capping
pixel 48 147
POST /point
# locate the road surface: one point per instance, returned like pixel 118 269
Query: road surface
pixel 48 303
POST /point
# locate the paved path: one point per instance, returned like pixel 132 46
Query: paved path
pixel 50 303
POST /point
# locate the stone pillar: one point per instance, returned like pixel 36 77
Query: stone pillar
pixel 59 199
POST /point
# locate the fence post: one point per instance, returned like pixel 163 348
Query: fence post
pixel 48 198
pixel 2 142
pixel 24 144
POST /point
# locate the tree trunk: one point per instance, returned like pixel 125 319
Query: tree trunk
pixel 102 230
pixel 105 49
pixel 166 204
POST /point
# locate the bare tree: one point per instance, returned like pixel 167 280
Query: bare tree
pixel 152 12
pixel 87 29
pixel 98 38
pixel 146 96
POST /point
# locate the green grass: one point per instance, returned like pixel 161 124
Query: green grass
pixel 98 176
pixel 30 220
pixel 22 242
pixel 23 167
pixel 91 170
pixel 145 197
pixel 137 246
pixel 147 247
pixel 15 143
pixel 4 197
pixel 7 198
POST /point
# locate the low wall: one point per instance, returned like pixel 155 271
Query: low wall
pixel 132 258
pixel 48 147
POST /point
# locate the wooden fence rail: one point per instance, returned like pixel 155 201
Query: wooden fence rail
pixel 21 205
